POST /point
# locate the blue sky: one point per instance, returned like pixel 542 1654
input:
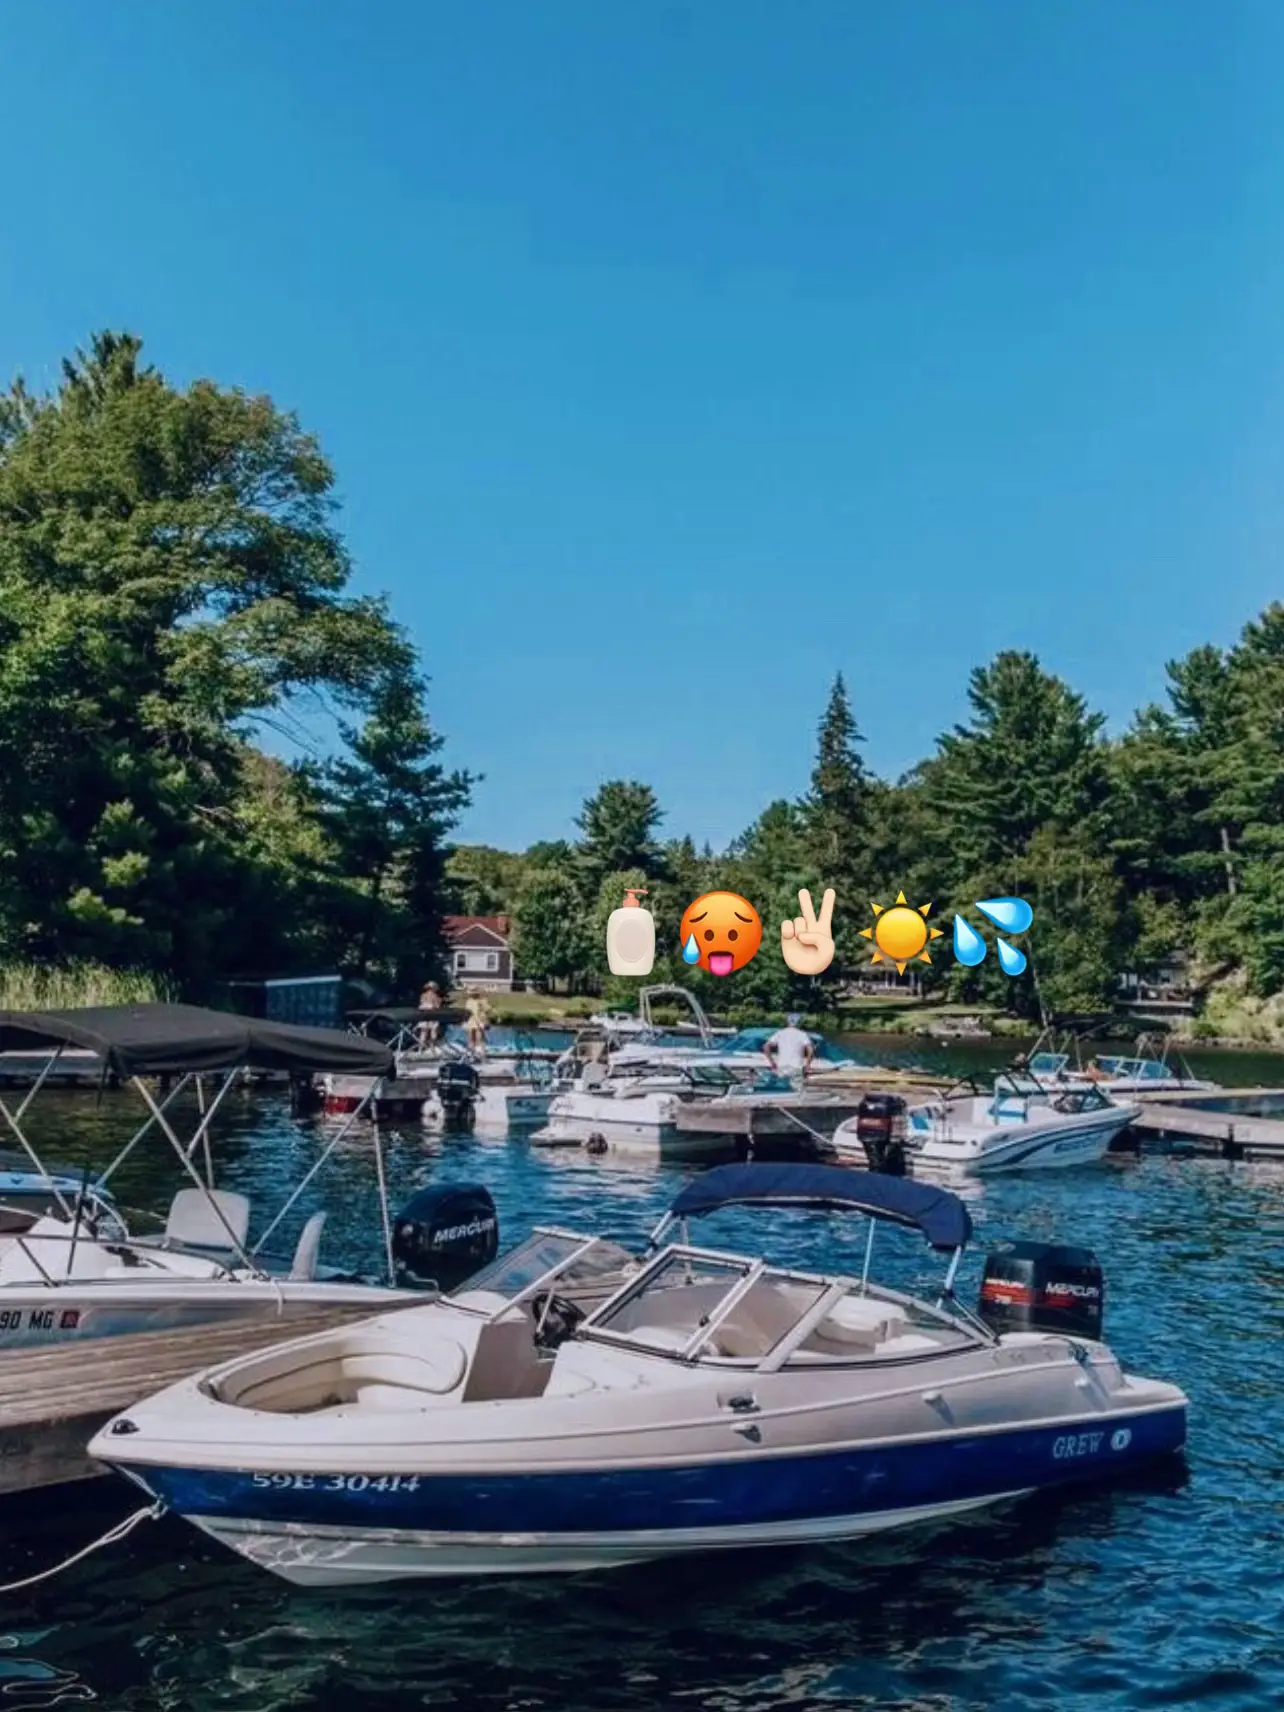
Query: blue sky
pixel 673 357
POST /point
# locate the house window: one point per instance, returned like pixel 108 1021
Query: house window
pixel 479 962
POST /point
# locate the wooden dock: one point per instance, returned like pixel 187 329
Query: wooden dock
pixel 1232 1135
pixel 757 1115
pixel 53 1400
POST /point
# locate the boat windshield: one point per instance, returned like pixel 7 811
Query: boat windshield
pixel 1049 1063
pixel 754 1039
pixel 1135 1069
pixel 547 1254
pixel 699 1304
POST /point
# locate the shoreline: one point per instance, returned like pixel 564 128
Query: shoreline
pixel 896 1019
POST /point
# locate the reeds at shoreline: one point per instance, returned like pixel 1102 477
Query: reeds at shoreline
pixel 44 987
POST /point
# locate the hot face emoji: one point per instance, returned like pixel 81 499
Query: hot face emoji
pixel 721 931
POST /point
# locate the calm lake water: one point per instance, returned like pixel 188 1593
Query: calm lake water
pixel 1163 1593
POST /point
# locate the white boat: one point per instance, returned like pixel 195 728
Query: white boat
pixel 1019 1126
pixel 619 1026
pixel 683 1110
pixel 633 1106
pixel 1119 1075
pixel 78 1271
pixel 711 1402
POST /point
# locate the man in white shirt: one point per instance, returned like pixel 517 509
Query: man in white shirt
pixel 790 1050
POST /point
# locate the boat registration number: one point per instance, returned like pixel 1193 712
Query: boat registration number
pixel 339 1482
pixel 39 1319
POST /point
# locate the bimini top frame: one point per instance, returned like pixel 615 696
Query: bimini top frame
pixel 187 1042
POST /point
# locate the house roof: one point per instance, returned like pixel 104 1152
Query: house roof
pixel 494 927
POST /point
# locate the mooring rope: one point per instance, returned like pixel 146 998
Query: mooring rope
pixel 149 1512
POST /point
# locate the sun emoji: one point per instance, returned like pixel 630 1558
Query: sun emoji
pixel 900 933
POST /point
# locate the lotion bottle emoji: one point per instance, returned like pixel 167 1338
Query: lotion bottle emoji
pixel 630 936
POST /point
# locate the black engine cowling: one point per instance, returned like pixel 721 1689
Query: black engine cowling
pixel 880 1129
pixel 1043 1287
pixel 457 1088
pixel 444 1234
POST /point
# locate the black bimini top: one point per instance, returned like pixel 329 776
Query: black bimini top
pixel 942 1217
pixel 157 1040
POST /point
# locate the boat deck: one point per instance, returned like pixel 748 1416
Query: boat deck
pixel 53 1400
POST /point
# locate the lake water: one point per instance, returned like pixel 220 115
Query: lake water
pixel 1163 1593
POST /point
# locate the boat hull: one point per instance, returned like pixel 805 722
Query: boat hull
pixel 333 1529
pixel 1028 1148
pixel 34 1316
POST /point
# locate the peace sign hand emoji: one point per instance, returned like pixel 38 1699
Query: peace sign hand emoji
pixel 807 943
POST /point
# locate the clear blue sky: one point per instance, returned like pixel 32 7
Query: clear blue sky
pixel 674 356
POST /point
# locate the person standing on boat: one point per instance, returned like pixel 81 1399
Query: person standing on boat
pixel 429 1000
pixel 478 1013
pixel 790 1050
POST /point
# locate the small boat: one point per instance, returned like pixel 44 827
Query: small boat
pixel 1147 1070
pixel 76 1270
pixel 634 1106
pixel 618 1026
pixel 1021 1125
pixel 956 1028
pixel 683 1110
pixel 710 1401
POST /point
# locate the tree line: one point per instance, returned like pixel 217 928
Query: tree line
pixel 1165 842
pixel 174 588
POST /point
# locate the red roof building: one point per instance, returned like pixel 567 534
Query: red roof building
pixel 479 951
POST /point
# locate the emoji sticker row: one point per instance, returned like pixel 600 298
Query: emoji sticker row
pixel 721 932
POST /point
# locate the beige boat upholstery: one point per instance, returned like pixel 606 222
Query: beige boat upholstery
pixel 193 1222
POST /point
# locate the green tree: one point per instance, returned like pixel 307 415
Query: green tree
pixel 482 880
pixel 170 578
pixel 550 935
pixel 617 826
pixel 387 806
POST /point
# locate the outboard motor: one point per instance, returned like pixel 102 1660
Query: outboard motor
pixel 457 1087
pixel 444 1234
pixel 880 1129
pixel 306 1098
pixel 1042 1287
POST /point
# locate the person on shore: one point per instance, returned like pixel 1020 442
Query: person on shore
pixel 478 1014
pixel 790 1050
pixel 429 1000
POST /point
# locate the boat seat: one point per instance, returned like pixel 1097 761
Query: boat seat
pixel 505 1363
pixel 862 1321
pixel 303 1268
pixel 757 1324
pixel 385 1378
pixel 193 1222
pixel 660 1337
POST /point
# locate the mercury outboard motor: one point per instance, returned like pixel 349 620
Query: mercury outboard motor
pixel 457 1087
pixel 444 1234
pixel 1041 1287
pixel 880 1129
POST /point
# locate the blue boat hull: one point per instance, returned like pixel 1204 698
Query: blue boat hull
pixel 344 1527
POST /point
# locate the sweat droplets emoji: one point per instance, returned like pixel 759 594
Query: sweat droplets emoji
pixel 721 932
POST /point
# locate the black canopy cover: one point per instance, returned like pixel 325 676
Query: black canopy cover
pixel 157 1040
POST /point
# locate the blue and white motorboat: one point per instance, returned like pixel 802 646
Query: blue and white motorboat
pixel 1021 1125
pixel 550 1417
